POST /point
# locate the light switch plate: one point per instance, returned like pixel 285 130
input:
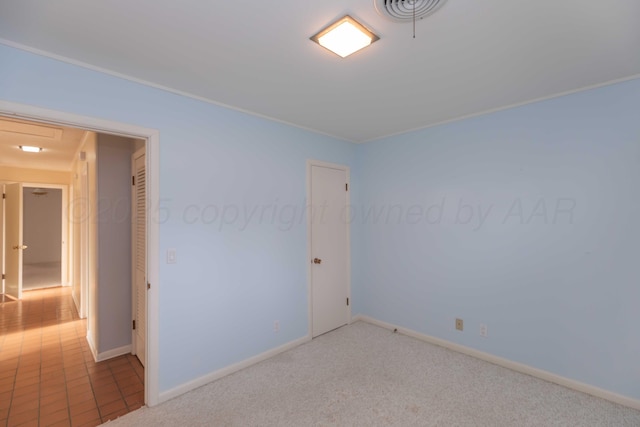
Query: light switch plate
pixel 172 258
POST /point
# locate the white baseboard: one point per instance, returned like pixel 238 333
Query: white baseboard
pixel 205 379
pixel 109 354
pixel 92 346
pixel 76 302
pixel 509 364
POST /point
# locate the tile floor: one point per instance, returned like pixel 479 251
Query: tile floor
pixel 47 373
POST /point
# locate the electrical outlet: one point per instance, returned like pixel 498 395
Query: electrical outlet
pixel 459 324
pixel 276 326
pixel 484 332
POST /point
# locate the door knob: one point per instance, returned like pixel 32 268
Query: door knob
pixel 317 260
pixel 20 247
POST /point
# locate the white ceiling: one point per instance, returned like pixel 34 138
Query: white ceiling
pixel 469 57
pixel 59 145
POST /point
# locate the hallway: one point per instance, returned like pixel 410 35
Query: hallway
pixel 47 372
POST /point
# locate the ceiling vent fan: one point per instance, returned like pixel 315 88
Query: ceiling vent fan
pixel 407 10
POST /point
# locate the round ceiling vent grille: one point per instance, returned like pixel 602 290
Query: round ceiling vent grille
pixel 403 10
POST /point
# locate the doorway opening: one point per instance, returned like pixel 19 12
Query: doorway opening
pixel 42 233
pixel 149 139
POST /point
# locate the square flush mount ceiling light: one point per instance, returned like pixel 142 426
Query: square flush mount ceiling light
pixel 30 149
pixel 345 36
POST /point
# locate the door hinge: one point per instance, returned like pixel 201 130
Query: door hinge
pixel 3 277
pixel 4 196
pixel 148 285
pixel 133 180
pixel 134 324
pixel 346 187
pixel 347 301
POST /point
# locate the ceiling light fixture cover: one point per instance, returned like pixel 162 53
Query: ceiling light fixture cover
pixel 403 10
pixel 30 149
pixel 345 36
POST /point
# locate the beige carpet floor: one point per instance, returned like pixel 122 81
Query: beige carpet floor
pixel 363 375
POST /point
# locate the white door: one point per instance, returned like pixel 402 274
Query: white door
pixel 13 240
pixel 139 253
pixel 329 248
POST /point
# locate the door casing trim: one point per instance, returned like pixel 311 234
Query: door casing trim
pixel 152 144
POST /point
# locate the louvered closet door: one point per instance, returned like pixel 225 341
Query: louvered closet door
pixel 139 233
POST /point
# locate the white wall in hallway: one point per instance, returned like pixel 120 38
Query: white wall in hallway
pixel 114 241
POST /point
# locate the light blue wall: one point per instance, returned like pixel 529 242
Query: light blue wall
pixel 559 289
pixel 233 278
pixel 553 266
